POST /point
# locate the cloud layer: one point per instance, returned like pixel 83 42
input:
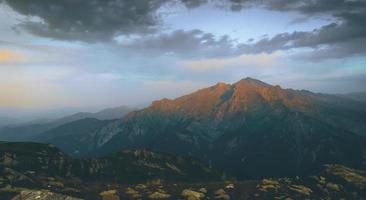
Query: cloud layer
pixel 86 20
pixel 191 44
pixel 103 20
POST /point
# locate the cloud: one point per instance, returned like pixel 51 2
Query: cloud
pixel 85 20
pixel 344 37
pixel 345 49
pixel 303 6
pixel 8 56
pixel 193 3
pixel 192 43
pixel 104 20
pixel 335 40
pixel 92 20
pixel 28 94
pixel 258 60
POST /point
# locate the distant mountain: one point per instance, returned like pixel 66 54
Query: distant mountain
pixel 249 128
pixel 73 136
pixel 4 121
pixel 358 96
pixel 112 113
pixel 27 131
pixel 106 114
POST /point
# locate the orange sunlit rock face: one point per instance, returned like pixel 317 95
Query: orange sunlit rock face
pixel 223 99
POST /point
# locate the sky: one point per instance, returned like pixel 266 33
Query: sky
pixel 92 54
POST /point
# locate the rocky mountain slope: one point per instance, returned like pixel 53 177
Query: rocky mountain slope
pixel 31 171
pixel 126 166
pixel 73 137
pixel 250 129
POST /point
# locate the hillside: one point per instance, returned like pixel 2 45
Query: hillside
pixel 39 171
pixel 249 129
pixel 130 166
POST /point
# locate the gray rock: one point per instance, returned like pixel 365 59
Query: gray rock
pixel 42 195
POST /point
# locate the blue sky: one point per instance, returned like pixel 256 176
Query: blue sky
pixel 52 60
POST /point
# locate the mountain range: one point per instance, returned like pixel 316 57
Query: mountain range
pixel 125 166
pixel 4 121
pixel 246 140
pixel 249 129
pixel 27 131
pixel 358 96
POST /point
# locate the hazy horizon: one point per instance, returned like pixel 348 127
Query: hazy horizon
pixel 23 115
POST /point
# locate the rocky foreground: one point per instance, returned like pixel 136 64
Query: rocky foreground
pixel 31 171
pixel 334 182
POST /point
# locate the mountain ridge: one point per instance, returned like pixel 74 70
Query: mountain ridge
pixel 22 132
pixel 250 128
pixel 123 166
pixel 31 171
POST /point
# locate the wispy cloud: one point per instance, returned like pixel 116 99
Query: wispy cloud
pixel 25 94
pixel 8 56
pixel 255 60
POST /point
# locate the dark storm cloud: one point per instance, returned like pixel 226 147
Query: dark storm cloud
pixel 304 6
pixel 347 37
pixel 342 38
pixel 335 40
pixel 101 20
pixel 92 20
pixel 339 50
pixel 89 20
pixel 331 34
pixel 193 3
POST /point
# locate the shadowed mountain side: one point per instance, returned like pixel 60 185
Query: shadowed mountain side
pixel 125 166
pixel 29 175
pixel 74 137
pixel 249 128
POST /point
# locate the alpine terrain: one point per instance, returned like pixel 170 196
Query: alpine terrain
pixel 249 129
